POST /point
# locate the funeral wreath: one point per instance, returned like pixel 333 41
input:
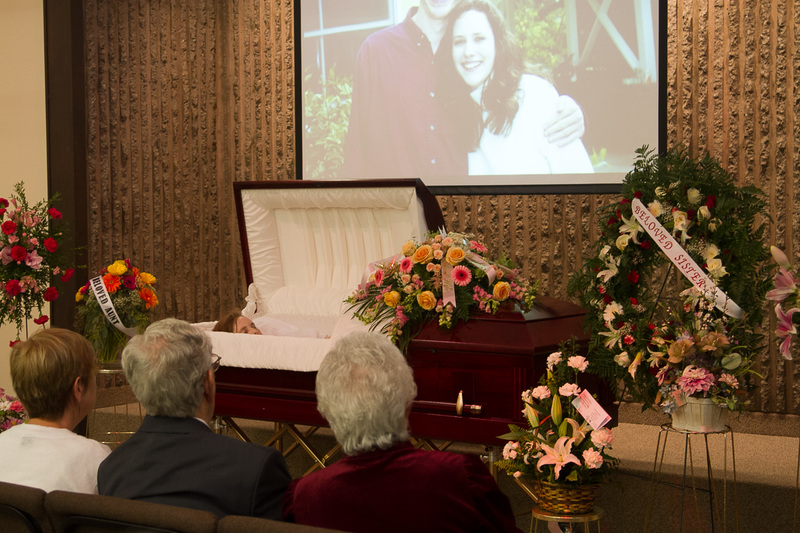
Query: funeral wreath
pixel 676 285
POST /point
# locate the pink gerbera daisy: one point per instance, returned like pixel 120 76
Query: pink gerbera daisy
pixel 461 275
pixel 406 265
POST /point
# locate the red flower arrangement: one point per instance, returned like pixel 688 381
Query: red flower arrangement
pixel 29 258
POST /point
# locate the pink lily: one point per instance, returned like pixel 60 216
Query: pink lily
pixel 559 455
pixel 785 330
pixel 785 286
pixel 779 257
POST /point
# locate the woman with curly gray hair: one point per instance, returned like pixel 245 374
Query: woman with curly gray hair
pixel 365 389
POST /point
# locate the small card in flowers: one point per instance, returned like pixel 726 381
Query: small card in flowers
pixel 590 410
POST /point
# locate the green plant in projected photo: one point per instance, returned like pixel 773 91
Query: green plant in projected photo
pixel 540 30
pixel 327 116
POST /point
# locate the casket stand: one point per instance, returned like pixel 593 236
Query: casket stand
pixel 305 246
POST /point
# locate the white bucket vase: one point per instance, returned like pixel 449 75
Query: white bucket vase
pixel 700 415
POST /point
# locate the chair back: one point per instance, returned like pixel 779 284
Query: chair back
pixel 72 512
pixel 250 524
pixel 22 509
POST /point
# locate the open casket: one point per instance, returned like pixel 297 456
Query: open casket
pixel 306 246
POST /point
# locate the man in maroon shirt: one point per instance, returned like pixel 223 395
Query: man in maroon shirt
pixel 364 390
pixel 397 122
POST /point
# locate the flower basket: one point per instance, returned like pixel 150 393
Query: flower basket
pixel 561 498
pixel 700 415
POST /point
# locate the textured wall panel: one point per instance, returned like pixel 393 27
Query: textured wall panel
pixel 186 97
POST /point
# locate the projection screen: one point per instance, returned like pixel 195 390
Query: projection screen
pixel 379 97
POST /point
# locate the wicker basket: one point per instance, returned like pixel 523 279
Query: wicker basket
pixel 561 498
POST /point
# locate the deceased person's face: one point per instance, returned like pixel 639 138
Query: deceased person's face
pixel 245 325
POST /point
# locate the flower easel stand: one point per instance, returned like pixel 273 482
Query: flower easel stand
pixel 116 411
pixel 554 502
pixel 688 460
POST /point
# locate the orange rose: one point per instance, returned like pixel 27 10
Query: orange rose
pixel 426 300
pixel 454 256
pixel 501 291
pixel 423 254
pixel 391 298
pixel 408 248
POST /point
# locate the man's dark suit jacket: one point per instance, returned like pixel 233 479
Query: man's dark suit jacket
pixel 180 461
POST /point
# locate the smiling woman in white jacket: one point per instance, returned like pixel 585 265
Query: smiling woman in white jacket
pixel 502 109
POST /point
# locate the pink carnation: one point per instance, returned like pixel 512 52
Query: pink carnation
pixel 578 362
pixel 729 379
pixel 553 359
pixel 541 392
pixel 568 389
pixel 592 458
pixel 601 437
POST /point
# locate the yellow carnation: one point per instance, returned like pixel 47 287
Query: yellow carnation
pixel 78 296
pixel 117 268
pixel 426 300
pixel 455 256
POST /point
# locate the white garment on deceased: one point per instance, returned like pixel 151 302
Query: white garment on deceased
pixel 50 458
pixel 525 150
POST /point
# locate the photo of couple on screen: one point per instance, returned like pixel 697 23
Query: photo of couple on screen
pixel 476 92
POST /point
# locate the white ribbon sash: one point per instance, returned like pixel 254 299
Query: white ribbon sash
pixel 104 300
pixel 683 261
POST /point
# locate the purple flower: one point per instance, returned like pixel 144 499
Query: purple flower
pixel 129 282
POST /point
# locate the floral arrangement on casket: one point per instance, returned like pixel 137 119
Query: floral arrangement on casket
pixel 30 258
pixel 698 330
pixel 559 446
pixel 131 296
pixel 786 297
pixel 448 277
pixel 12 411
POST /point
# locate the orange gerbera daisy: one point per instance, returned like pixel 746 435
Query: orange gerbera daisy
pixel 149 298
pixel 111 282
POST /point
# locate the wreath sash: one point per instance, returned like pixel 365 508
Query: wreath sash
pixel 107 306
pixel 683 261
